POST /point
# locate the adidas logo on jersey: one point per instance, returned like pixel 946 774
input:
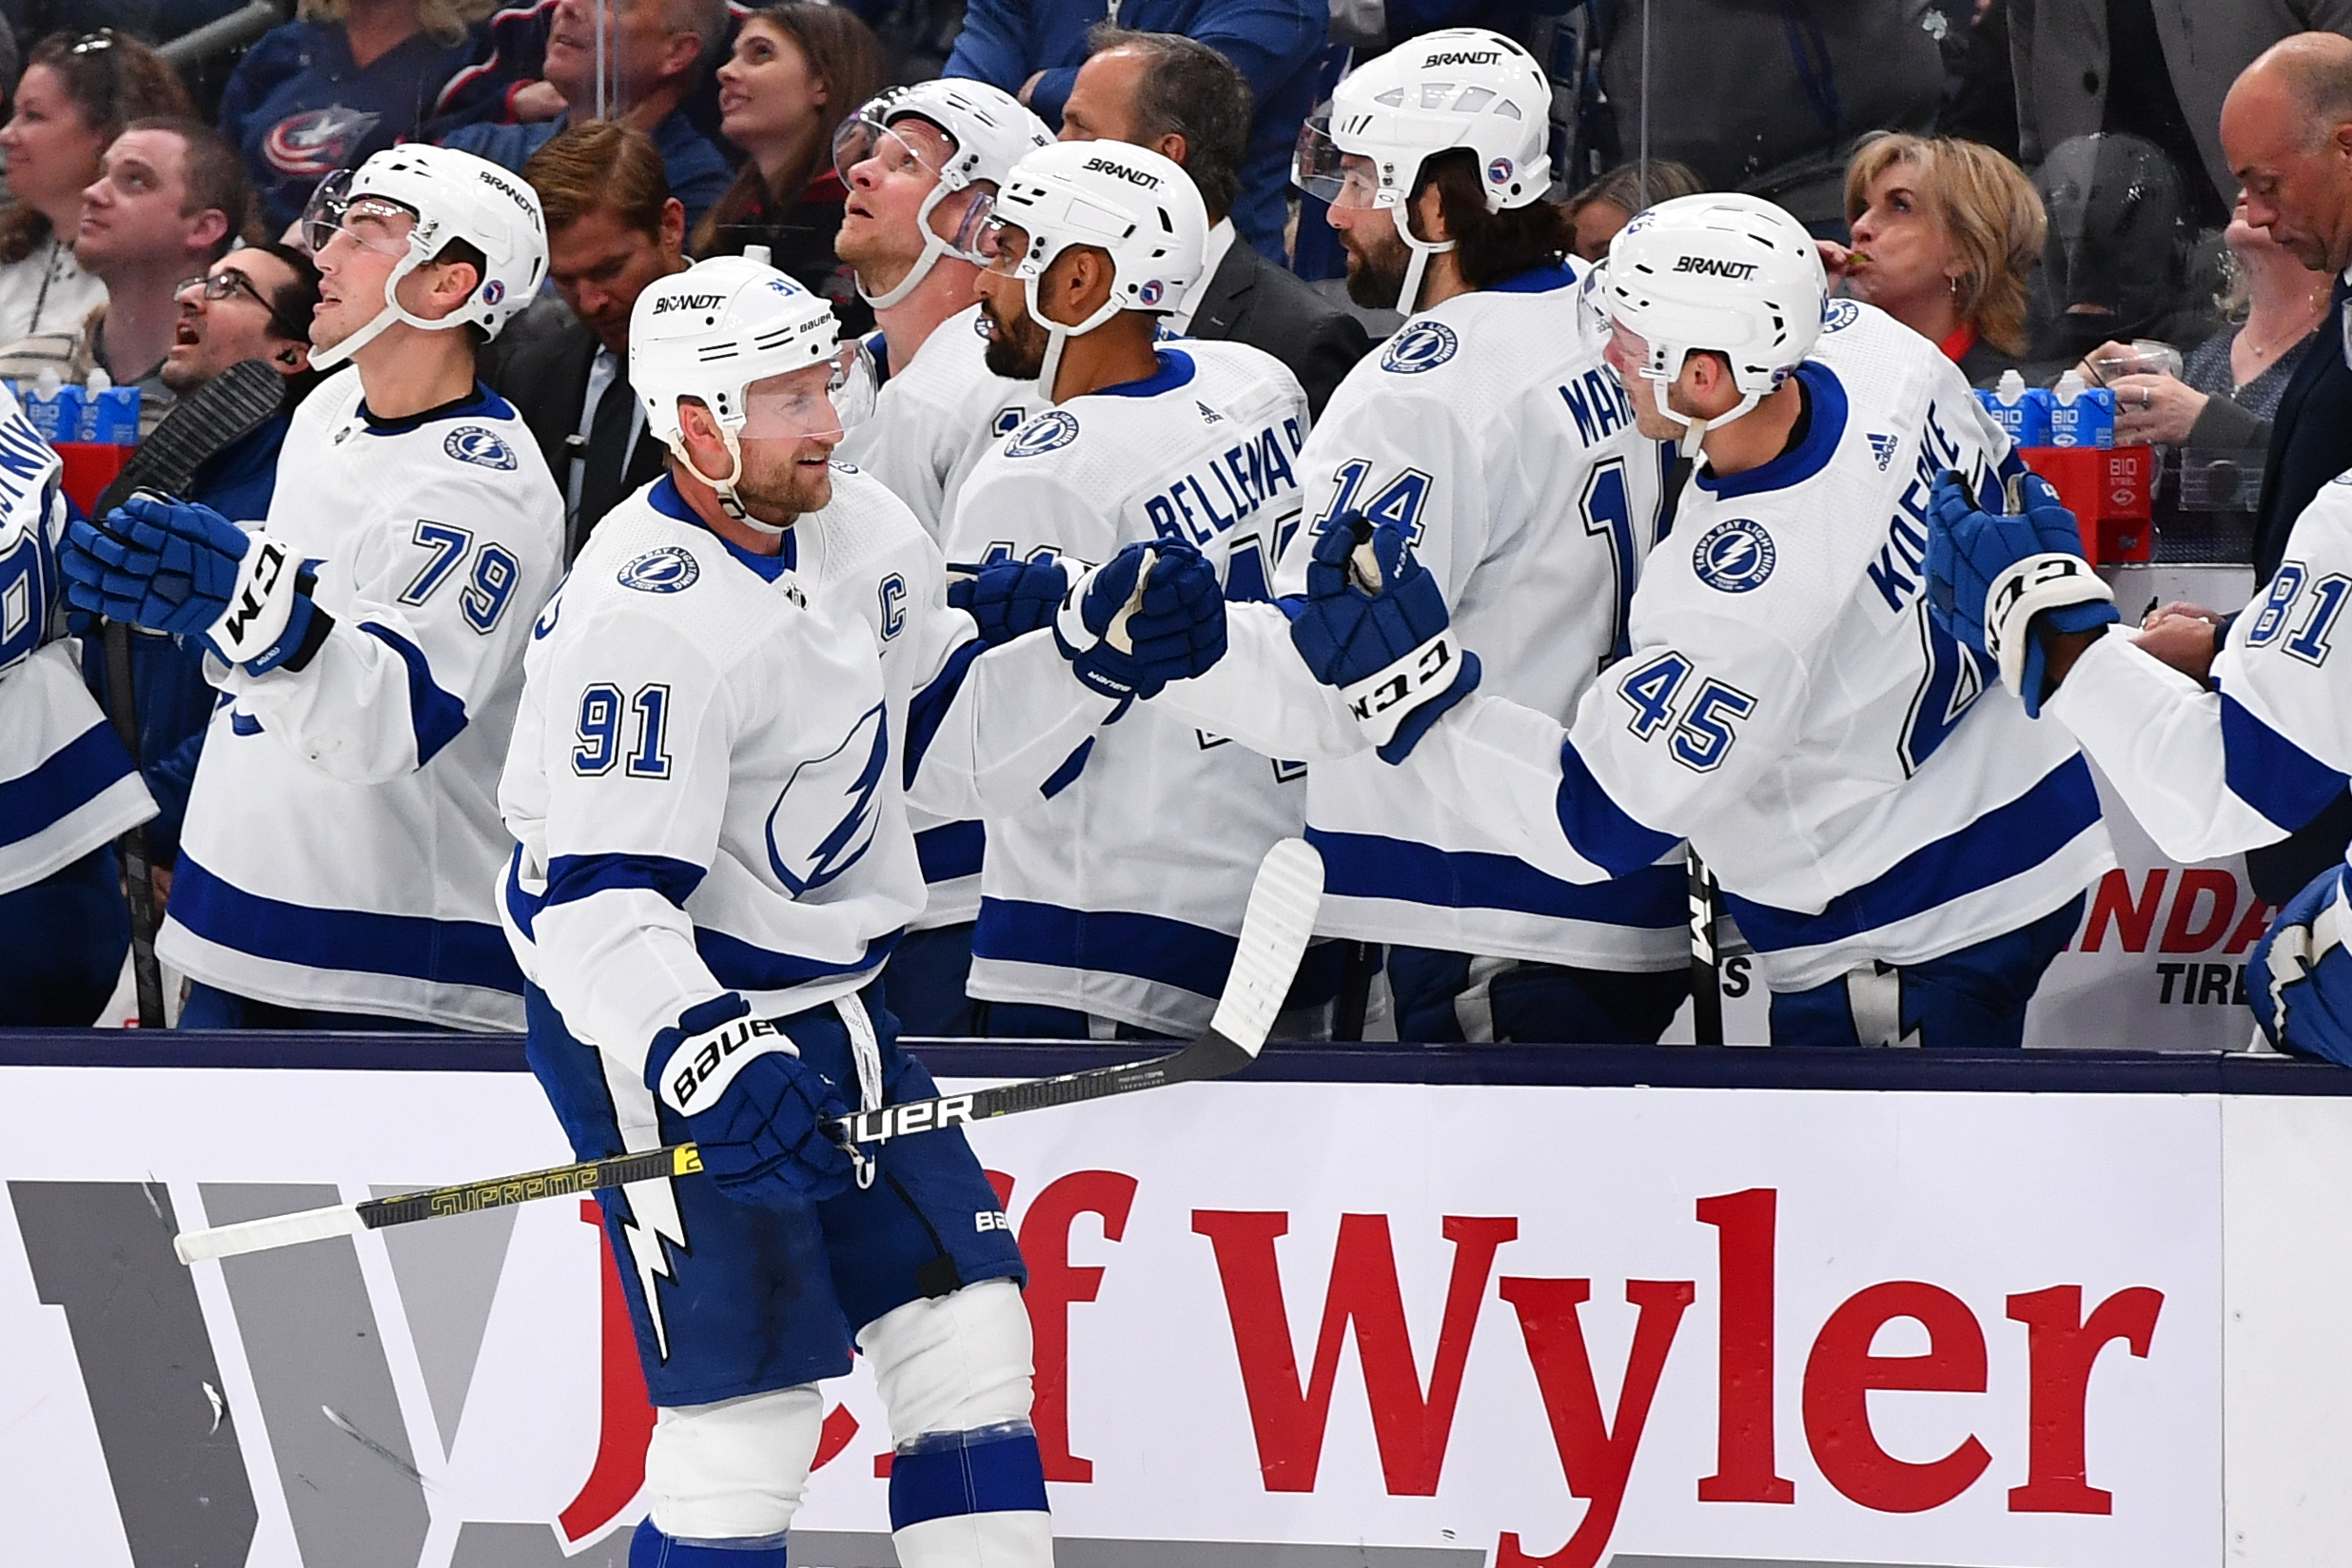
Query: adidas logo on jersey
pixel 1883 448
pixel 1132 176
pixel 1208 415
pixel 1709 266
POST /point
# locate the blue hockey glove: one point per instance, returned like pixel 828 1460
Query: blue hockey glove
pixel 1375 624
pixel 1007 598
pixel 1151 614
pixel 183 568
pixel 756 1110
pixel 1991 573
pixel 2299 977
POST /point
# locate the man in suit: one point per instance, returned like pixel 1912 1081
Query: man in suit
pixel 612 228
pixel 1186 101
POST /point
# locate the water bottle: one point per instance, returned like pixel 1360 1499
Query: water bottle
pixel 2080 415
pixel 54 408
pixel 2022 411
pixel 109 413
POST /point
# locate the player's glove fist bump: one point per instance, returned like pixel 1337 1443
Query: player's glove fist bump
pixel 1009 598
pixel 757 1111
pixel 2300 976
pixel 1992 574
pixel 1151 614
pixel 1374 623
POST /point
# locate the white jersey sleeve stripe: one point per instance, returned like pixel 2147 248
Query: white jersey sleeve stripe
pixel 2270 773
pixel 1370 866
pixel 443 952
pixel 437 717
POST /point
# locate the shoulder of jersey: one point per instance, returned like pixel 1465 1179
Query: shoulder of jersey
pixel 864 519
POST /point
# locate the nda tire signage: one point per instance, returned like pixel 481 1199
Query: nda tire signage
pixel 1386 1325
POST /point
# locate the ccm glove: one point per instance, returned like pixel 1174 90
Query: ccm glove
pixel 1990 575
pixel 183 568
pixel 1151 614
pixel 2300 978
pixel 757 1111
pixel 1374 623
pixel 1009 599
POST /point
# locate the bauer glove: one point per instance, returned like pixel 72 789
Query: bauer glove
pixel 757 1111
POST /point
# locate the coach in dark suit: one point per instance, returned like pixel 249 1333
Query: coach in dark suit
pixel 1184 99
pixel 612 228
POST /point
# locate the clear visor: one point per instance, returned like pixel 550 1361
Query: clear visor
pixel 909 145
pixel 1321 169
pixel 998 243
pixel 374 222
pixel 1628 351
pixel 830 398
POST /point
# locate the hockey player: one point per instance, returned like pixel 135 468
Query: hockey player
pixel 68 783
pixel 922 164
pixel 714 860
pixel 1905 858
pixel 1490 432
pixel 342 837
pixel 1112 898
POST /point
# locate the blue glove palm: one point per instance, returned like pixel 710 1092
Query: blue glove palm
pixel 1007 598
pixel 168 566
pixel 1375 624
pixel 1163 600
pixel 756 1110
pixel 1976 595
pixel 2300 976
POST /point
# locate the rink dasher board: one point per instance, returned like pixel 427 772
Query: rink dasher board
pixel 1530 1236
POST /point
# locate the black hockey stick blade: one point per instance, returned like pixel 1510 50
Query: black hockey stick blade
pixel 1706 962
pixel 1275 929
pixel 226 409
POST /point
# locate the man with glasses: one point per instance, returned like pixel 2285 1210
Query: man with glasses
pixel 341 837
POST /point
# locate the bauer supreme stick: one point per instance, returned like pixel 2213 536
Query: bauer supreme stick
pixel 1275 929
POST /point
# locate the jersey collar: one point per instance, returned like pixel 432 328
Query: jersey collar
pixel 1175 371
pixel 479 404
pixel 670 503
pixel 1803 460
pixel 1535 280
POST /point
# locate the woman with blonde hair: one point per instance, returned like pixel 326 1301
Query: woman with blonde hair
pixel 1944 235
pixel 346 78
pixel 76 95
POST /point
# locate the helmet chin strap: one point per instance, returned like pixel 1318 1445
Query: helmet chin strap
pixel 933 248
pixel 327 359
pixel 1694 426
pixel 725 488
pixel 1408 297
pixel 1056 334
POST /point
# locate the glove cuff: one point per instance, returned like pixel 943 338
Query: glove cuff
pixel 1383 701
pixel 261 604
pixel 693 1076
pixel 2024 589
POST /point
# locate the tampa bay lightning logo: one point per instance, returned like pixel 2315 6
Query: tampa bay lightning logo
pixel 663 571
pixel 1734 556
pixel 1837 315
pixel 1425 345
pixel 837 794
pixel 1049 432
pixel 471 443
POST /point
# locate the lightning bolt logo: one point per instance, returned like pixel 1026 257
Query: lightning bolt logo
pixel 653 1222
pixel 1734 557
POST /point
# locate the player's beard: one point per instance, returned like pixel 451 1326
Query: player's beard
pixel 880 264
pixel 1376 269
pixel 1016 349
pixel 777 488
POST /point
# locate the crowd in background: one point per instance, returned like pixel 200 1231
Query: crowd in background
pixel 2036 188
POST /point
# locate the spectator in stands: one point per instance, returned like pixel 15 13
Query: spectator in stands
pixel 1609 203
pixel 655 54
pixel 170 198
pixel 1945 237
pixel 1032 48
pixel 344 79
pixel 798 69
pixel 253 304
pixel 2116 262
pixel 74 98
pixel 1186 101
pixel 612 227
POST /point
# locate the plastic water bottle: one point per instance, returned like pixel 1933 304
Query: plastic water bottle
pixel 54 408
pixel 109 413
pixel 2021 410
pixel 2080 415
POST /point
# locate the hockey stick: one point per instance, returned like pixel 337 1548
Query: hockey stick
pixel 1274 933
pixel 1706 963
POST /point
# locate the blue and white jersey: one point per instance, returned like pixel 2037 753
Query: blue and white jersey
pixel 1117 890
pixel 708 782
pixel 1851 774
pixel 2210 772
pixel 343 836
pixel 67 785
pixel 1498 440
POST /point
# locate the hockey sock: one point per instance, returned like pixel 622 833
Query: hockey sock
pixel 650 1548
pixel 971 1499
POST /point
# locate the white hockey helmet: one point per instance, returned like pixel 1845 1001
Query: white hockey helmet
pixel 990 131
pixel 714 330
pixel 1722 271
pixel 1138 207
pixel 453 196
pixel 1455 88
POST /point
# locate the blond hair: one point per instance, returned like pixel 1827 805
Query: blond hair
pixel 1988 210
pixel 444 21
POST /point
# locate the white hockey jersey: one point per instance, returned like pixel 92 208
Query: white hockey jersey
pixel 934 419
pixel 343 838
pixel 2212 772
pixel 1790 708
pixel 66 784
pixel 708 781
pixel 1506 450
pixel 1118 889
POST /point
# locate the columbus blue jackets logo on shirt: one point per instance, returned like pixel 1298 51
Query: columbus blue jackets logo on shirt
pixel 318 141
pixel 1047 432
pixel 1425 345
pixel 1734 556
pixel 471 443
pixel 662 570
pixel 832 798
pixel 1837 315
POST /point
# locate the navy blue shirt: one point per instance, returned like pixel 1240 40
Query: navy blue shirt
pixel 699 173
